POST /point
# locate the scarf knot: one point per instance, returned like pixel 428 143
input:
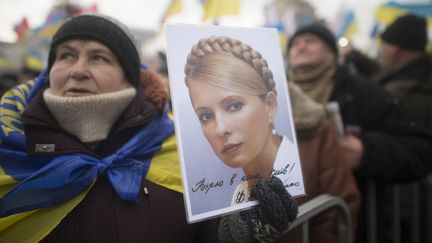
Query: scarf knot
pixel 57 179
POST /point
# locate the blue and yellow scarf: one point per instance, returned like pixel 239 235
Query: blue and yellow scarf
pixel 37 192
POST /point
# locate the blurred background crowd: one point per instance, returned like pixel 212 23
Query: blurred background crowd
pixel 358 27
pixel 26 28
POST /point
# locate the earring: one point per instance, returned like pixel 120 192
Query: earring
pixel 274 132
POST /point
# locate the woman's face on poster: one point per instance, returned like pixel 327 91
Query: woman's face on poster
pixel 236 125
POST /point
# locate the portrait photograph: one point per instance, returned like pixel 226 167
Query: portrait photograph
pixel 232 116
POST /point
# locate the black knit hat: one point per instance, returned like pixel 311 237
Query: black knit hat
pixel 408 31
pixel 106 30
pixel 319 30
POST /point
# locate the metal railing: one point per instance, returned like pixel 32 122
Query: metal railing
pixel 317 205
pixel 324 202
pixel 419 192
pixel 428 213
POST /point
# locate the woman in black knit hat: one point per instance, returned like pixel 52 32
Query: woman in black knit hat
pixel 88 153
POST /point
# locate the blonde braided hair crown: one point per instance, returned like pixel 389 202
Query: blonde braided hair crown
pixel 236 48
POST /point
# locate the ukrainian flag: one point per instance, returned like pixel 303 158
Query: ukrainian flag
pixel 348 27
pixel 214 9
pixel 16 167
pixel 175 7
pixel 387 13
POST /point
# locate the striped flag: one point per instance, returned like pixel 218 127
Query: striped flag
pixel 344 24
pixel 214 9
pixel 19 172
pixel 175 7
pixel 387 13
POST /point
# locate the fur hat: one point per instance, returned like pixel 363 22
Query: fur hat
pixel 107 31
pixel 319 30
pixel 408 31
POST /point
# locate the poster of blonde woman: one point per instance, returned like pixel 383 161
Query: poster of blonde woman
pixel 232 115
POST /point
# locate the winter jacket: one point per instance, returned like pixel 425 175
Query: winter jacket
pixel 413 85
pixel 396 148
pixel 324 168
pixel 102 216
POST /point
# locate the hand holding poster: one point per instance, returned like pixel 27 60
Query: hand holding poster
pixel 232 114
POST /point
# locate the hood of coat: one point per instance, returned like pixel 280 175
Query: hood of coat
pixel 307 114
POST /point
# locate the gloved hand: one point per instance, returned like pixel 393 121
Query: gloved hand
pixel 264 222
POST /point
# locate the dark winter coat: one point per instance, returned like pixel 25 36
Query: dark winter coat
pixel 396 148
pixel 102 216
pixel 325 169
pixel 413 85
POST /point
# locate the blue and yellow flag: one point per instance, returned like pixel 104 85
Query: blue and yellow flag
pixel 175 7
pixel 214 9
pixel 36 193
pixel 387 13
pixel 348 26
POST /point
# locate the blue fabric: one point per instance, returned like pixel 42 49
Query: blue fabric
pixel 46 181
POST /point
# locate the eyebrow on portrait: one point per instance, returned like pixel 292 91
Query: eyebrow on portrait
pixel 201 109
pixel 229 99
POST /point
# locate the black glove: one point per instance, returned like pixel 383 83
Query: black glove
pixel 264 222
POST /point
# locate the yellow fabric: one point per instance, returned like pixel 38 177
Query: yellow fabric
pixel 33 63
pixel 283 41
pixel 6 182
pixel 49 30
pixel 165 168
pixel 33 226
pixel 217 8
pixel 175 7
pixel 385 15
pixel 351 30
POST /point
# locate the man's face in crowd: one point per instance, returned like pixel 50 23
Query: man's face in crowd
pixel 387 54
pixel 308 50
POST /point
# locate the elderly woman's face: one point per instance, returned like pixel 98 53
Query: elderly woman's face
pixel 237 126
pixel 85 67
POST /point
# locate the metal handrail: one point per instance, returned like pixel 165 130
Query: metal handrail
pixel 428 182
pixel 415 229
pixel 371 209
pixel 318 205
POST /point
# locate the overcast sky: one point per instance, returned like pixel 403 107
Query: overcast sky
pixel 147 13
pixel 135 13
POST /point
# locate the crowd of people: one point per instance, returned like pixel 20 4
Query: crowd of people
pixel 88 151
pixel 383 141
